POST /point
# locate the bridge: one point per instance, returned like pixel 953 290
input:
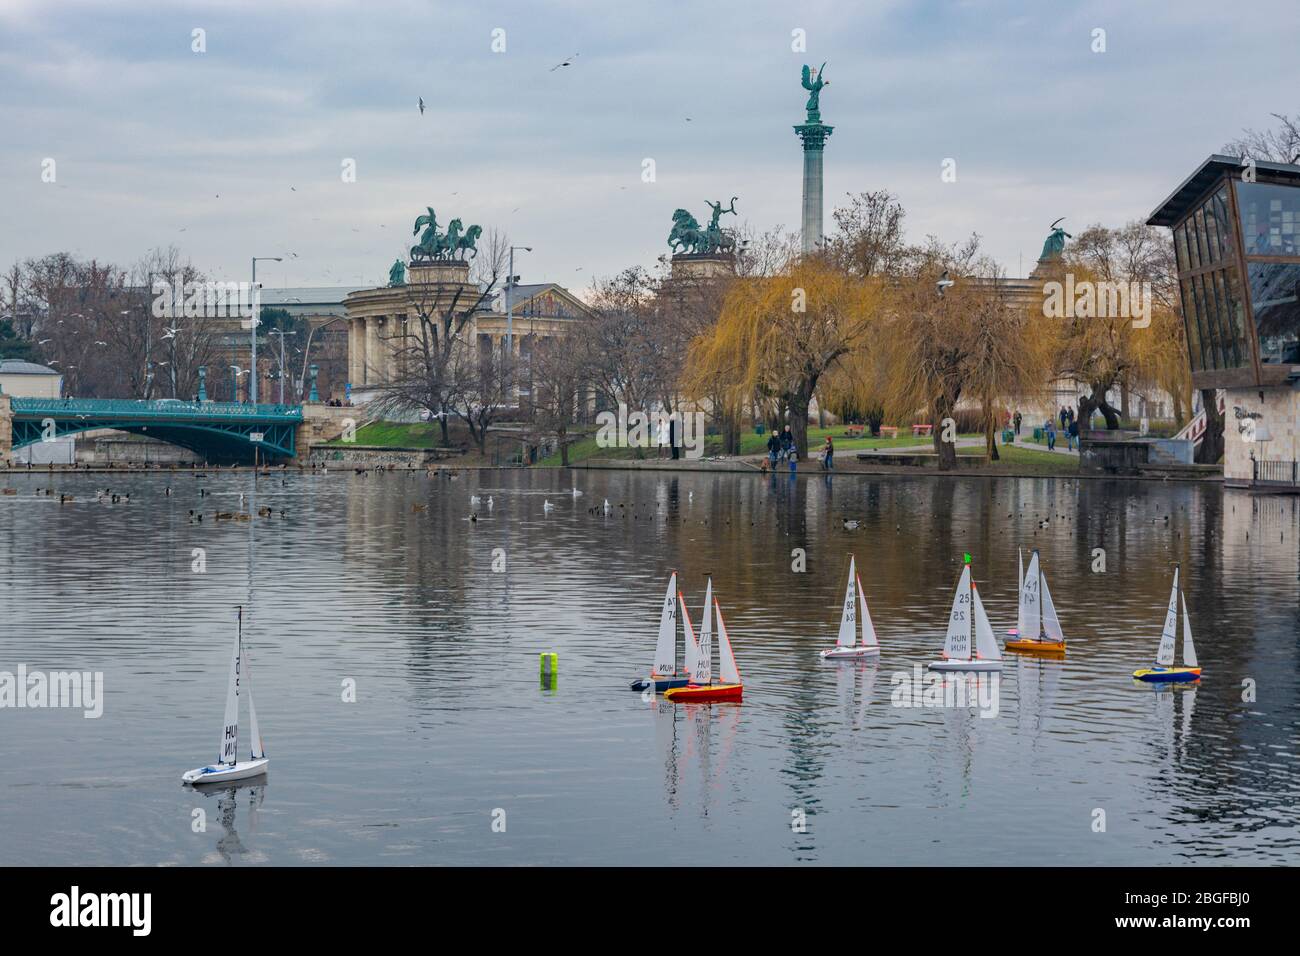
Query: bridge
pixel 218 431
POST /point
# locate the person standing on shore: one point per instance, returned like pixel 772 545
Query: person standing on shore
pixel 1050 433
pixel 828 455
pixel 1072 434
pixel 787 444
pixel 773 449
pixel 1015 419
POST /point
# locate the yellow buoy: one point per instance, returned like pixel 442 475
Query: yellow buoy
pixel 549 669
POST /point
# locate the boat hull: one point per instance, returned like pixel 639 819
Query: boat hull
pixel 965 667
pixel 704 693
pixel 1036 647
pixel 1167 675
pixel 841 653
pixel 661 683
pixel 202 776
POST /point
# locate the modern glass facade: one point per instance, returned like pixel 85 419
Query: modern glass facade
pixel 1213 307
pixel 1237 244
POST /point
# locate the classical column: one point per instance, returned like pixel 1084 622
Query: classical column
pixel 813 133
pixel 373 367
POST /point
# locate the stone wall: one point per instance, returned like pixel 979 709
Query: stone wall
pixel 1279 410
pixel 322 423
pixel 6 429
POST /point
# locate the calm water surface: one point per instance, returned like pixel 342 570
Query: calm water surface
pixel 450 724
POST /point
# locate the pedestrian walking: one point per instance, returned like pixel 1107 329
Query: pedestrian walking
pixel 1072 435
pixel 773 449
pixel 1016 419
pixel 1050 432
pixel 787 443
pixel 1062 417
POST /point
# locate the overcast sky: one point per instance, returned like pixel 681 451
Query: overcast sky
pixel 237 151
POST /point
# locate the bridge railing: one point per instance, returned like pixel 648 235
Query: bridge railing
pixel 163 409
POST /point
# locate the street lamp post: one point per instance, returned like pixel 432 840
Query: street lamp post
pixel 257 320
pixel 282 334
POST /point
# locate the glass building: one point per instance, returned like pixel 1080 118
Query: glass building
pixel 1237 241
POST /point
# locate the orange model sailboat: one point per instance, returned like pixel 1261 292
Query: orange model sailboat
pixel 1038 629
pixel 699 659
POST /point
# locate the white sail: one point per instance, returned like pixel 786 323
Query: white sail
pixel 868 629
pixel 666 647
pixel 230 728
pixel 727 668
pixel 848 621
pixel 692 645
pixel 1189 649
pixel 1027 617
pixel 1020 590
pixel 703 673
pixel 956 645
pixel 1051 623
pixel 255 743
pixel 986 645
pixel 1165 656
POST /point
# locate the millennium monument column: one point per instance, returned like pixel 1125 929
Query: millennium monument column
pixel 813 133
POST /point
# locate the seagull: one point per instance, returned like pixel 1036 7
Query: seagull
pixel 606 507
pixel 577 493
pixel 475 501
pixel 944 282
pixel 43 341
pixel 490 502
pixel 547 506
pixel 101 343
pixel 421 105
pixel 568 61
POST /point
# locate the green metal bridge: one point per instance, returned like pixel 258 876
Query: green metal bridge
pixel 219 431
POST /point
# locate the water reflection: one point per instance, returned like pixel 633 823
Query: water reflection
pixel 346 581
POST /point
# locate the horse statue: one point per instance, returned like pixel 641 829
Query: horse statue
pixel 466 242
pixel 687 234
pixel 428 241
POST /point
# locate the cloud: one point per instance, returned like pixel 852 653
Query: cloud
pixel 147 134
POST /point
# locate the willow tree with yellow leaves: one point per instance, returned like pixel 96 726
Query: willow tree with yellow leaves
pixel 779 336
pixel 1111 303
pixel 953 334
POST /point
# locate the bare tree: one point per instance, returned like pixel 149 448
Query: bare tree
pixel 1280 145
pixel 430 347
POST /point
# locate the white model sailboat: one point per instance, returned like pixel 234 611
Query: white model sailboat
pixel 845 646
pixel 1038 629
pixel 1164 670
pixel 969 644
pixel 664 673
pixel 228 766
pixel 699 659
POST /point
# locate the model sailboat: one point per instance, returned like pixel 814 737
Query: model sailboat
pixel 1163 670
pixel 664 673
pixel 699 659
pixel 845 645
pixel 969 644
pixel 228 766
pixel 1038 629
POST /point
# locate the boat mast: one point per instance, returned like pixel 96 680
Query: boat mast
pixel 1042 631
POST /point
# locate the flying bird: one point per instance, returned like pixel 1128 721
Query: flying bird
pixel 421 105
pixel 568 61
pixel 944 282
